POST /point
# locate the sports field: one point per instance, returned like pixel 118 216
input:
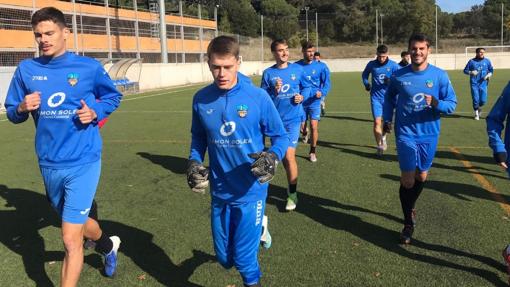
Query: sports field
pixel 345 231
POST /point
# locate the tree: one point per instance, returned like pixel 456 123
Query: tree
pixel 281 19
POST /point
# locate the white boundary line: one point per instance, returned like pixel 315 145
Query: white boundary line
pixel 156 95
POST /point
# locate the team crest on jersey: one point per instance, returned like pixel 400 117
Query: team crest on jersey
pixel 429 83
pixel 293 77
pixel 242 110
pixel 72 79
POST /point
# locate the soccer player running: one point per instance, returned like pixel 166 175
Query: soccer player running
pixel 287 85
pixel 495 125
pixel 424 93
pixel 318 75
pixel 381 70
pixel 480 71
pixel 60 89
pixel 405 59
pixel 229 119
pixel 317 57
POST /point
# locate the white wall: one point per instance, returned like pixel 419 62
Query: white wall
pixel 157 76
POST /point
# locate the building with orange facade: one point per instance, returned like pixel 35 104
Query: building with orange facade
pixel 103 30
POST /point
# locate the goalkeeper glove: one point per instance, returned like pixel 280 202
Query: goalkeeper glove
pixel 486 78
pixel 500 157
pixel 474 72
pixel 368 87
pixel 387 127
pixel 198 176
pixel 264 166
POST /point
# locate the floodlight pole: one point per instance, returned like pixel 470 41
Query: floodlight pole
pixel 216 20
pixel 306 13
pixel 262 38
pixel 382 34
pixel 502 23
pixel 316 30
pixel 436 31
pixel 376 28
pixel 162 32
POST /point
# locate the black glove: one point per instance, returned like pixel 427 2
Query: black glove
pixel 387 127
pixel 198 176
pixel 264 166
pixel 500 157
pixel 368 87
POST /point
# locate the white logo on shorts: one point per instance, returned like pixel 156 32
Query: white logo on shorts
pixel 85 211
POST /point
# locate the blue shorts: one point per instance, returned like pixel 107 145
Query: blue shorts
pixel 413 155
pixel 293 129
pixel 236 230
pixel 313 111
pixel 71 190
pixel 376 104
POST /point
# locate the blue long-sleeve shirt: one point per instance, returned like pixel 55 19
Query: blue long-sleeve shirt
pixel 381 73
pixel 318 75
pixel 483 66
pixel 294 82
pixel 496 123
pixel 61 140
pixel 413 118
pixel 230 124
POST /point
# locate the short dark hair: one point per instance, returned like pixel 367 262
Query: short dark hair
pixel 404 53
pixel 276 43
pixel 479 49
pixel 48 14
pixel 223 45
pixel 382 49
pixel 317 53
pixel 418 37
pixel 306 45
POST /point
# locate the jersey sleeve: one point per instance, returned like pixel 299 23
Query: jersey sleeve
pixel 490 67
pixel 365 74
pixel 495 121
pixel 265 84
pixel 107 95
pixel 447 100
pixel 390 100
pixel 272 126
pixel 198 135
pixel 305 86
pixel 467 68
pixel 325 81
pixel 15 96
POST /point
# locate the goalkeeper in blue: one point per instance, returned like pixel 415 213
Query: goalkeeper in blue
pixel 230 117
pixel 418 94
pixel 318 74
pixel 66 95
pixel 287 85
pixel 381 70
pixel 495 125
pixel 498 120
pixel 480 71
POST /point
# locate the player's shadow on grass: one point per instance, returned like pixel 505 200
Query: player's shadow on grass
pixel 348 118
pixel 459 116
pixel 355 150
pixel 472 158
pixel 333 215
pixel 455 189
pixel 31 212
pixel 174 164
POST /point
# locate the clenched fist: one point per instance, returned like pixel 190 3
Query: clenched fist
pixel 30 103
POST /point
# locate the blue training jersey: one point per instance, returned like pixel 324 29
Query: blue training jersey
pixel 318 75
pixel 496 123
pixel 381 74
pixel 483 66
pixel 294 82
pixel 230 124
pixel 61 141
pixel 413 118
